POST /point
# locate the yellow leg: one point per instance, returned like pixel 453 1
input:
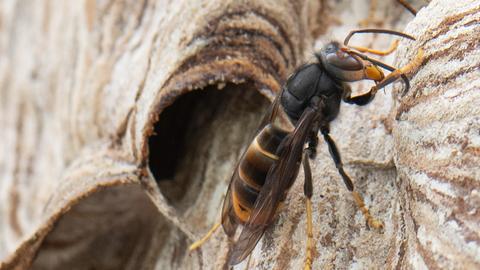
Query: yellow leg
pixel 392 48
pixel 371 221
pixel 414 64
pixel 310 247
pixel 200 242
pixel 394 75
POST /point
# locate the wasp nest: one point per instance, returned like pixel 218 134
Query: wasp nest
pixel 121 123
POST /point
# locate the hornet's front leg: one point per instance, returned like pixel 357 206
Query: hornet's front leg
pixel 394 75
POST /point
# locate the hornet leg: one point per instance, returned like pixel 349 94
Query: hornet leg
pixel 200 242
pixel 308 191
pixel 364 99
pixel 371 221
pixel 392 48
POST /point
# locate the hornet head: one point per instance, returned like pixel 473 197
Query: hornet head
pixel 345 66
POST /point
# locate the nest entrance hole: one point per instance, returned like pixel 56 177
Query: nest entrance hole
pixel 199 138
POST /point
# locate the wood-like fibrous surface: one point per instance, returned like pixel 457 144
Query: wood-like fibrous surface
pixel 121 123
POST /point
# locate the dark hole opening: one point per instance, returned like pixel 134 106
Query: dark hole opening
pixel 199 138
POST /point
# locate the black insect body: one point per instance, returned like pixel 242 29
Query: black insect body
pixel 311 98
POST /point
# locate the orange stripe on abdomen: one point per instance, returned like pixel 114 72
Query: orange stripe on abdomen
pixel 253 169
pixel 260 156
pixel 241 212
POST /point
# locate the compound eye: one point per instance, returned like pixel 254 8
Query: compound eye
pixel 344 61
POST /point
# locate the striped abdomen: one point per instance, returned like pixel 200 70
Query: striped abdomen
pixel 252 170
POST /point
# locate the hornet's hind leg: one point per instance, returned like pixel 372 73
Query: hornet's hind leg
pixel 309 153
pixel 204 239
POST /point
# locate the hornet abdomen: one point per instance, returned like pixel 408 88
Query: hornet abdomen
pixel 252 170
